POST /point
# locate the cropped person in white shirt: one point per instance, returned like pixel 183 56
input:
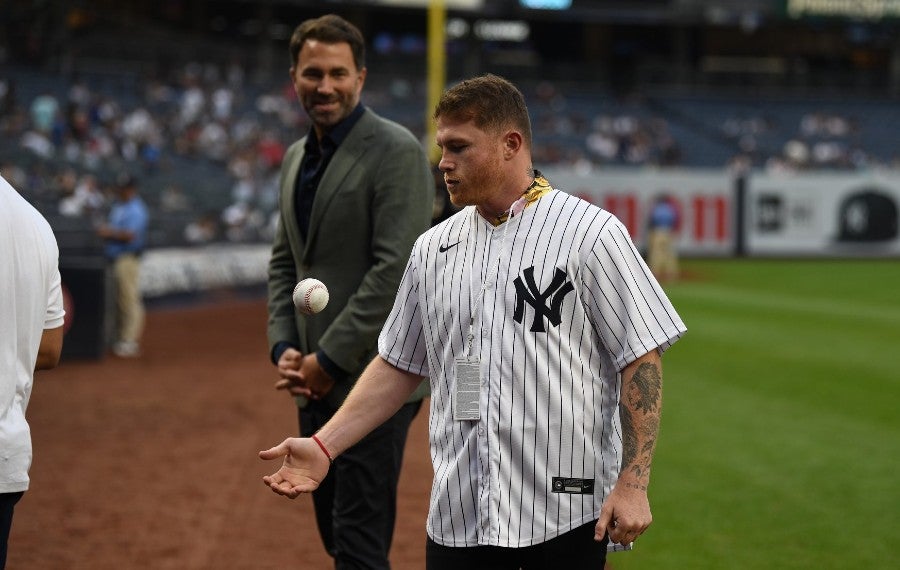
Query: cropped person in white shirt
pixel 31 336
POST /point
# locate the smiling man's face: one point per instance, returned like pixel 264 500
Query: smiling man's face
pixel 327 82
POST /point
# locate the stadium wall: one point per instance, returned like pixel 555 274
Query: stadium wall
pixel 816 214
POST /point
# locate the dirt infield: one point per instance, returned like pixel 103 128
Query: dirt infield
pixel 151 463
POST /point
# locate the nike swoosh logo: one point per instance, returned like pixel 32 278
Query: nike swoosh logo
pixel 444 248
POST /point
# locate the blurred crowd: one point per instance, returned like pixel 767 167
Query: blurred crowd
pixel 204 122
pixel 207 143
pixel 588 132
pixel 820 140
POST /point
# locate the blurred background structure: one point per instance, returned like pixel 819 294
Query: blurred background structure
pixel 727 105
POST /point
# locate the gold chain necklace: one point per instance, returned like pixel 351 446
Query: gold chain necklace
pixel 539 186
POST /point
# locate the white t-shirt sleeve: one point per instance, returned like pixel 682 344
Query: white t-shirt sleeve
pixel 54 317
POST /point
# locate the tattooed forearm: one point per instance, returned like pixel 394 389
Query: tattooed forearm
pixel 639 412
pixel 648 384
pixel 629 436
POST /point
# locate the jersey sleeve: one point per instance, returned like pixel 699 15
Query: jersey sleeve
pixel 402 339
pixel 627 304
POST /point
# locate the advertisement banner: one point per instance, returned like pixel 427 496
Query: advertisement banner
pixel 192 269
pixel 823 214
pixel 704 200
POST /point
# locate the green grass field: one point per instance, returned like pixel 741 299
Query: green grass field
pixel 780 439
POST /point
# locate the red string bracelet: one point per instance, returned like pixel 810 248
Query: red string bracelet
pixel 324 450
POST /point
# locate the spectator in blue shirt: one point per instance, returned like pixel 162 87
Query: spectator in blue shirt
pixel 125 236
pixel 662 256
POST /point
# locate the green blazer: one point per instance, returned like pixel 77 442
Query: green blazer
pixel 372 202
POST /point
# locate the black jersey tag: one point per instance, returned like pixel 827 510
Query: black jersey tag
pixel 573 486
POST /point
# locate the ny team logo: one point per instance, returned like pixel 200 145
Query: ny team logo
pixel 528 292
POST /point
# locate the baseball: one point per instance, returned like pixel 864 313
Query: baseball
pixel 310 296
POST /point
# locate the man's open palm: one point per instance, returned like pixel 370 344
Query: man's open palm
pixel 304 467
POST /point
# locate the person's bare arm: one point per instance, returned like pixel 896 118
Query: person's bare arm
pixel 50 349
pixel 377 395
pixel 626 512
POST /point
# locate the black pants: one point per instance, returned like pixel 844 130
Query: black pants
pixel 7 504
pixel 574 550
pixel 356 504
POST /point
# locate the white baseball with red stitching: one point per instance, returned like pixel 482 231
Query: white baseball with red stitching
pixel 310 296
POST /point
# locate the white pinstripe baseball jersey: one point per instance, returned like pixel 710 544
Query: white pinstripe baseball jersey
pixel 567 303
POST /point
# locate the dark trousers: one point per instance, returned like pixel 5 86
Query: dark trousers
pixel 7 504
pixel 574 550
pixel 356 504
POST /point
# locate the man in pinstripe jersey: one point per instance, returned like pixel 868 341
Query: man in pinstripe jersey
pixel 541 330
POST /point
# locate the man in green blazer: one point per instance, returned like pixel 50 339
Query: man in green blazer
pixel 355 193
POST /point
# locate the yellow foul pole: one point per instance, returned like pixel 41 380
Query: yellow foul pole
pixel 437 62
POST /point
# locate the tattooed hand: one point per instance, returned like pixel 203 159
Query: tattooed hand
pixel 626 512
